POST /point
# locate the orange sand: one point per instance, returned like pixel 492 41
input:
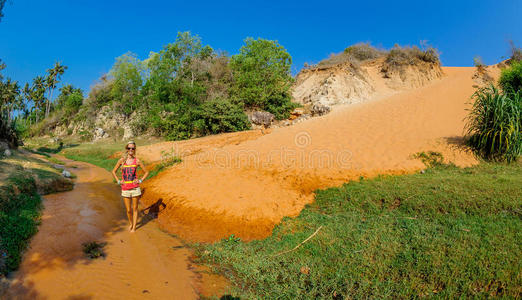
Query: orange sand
pixel 245 183
pixel 147 264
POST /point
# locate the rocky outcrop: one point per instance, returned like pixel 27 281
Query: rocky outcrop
pixel 329 86
pixel 107 122
pixel 261 118
pixel 347 83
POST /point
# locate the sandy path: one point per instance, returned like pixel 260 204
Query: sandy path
pixel 148 264
pixel 246 186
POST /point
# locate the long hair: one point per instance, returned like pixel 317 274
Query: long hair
pixel 126 155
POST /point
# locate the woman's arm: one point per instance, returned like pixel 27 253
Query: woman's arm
pixel 142 166
pixel 116 167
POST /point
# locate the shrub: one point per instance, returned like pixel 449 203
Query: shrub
pixel 495 124
pixel 262 78
pixel 477 61
pixel 219 116
pixel 364 51
pixel 516 52
pixel 399 56
pixel 511 78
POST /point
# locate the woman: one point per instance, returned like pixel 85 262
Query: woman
pixel 130 184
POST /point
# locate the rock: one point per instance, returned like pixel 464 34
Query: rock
pixel 7 152
pixel 262 118
pixel 56 166
pixel 66 174
pixel 423 171
pixel 99 133
pixel 4 146
pixel 55 140
pixel 319 109
pixel 298 111
pixel 128 133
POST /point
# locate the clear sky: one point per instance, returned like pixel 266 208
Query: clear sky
pixel 87 36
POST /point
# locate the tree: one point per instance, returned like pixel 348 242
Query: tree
pixel 38 94
pixel 170 69
pixel 52 80
pixel 9 92
pixel 261 77
pixel 69 100
pixel 127 81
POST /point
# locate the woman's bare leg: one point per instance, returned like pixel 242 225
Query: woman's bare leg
pixel 129 211
pixel 134 212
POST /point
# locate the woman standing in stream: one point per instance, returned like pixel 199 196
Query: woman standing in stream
pixel 130 184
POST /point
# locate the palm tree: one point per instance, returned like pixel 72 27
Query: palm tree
pixel 38 94
pixel 28 92
pixel 10 92
pixel 52 80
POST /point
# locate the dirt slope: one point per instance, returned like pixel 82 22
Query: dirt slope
pixel 248 181
pixel 348 83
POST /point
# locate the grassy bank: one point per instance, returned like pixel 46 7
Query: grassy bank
pixel 448 233
pixel 101 154
pixel 22 180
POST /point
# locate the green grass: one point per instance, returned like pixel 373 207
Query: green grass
pixel 55 160
pixel 99 154
pixel 446 233
pixel 95 153
pixel 165 163
pixel 21 177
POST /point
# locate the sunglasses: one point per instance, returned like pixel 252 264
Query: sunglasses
pixel 131 148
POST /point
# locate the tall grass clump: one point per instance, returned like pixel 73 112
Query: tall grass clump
pixel 511 78
pixel 495 124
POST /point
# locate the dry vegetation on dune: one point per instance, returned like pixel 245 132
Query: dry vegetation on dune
pixel 395 57
pixel 362 72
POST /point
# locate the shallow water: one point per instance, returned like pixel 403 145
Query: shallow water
pixel 145 264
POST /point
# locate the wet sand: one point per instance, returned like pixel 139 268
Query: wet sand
pixel 147 264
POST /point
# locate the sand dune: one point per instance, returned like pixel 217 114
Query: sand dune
pixel 245 183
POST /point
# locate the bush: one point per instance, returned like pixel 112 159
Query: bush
pixel 495 124
pixel 511 78
pixel 399 56
pixel 219 116
pixel 364 51
pixel 516 52
pixel 262 79
pixel 8 131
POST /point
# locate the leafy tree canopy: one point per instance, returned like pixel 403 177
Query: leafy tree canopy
pixel 262 78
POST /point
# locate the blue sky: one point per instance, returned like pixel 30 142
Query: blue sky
pixel 87 36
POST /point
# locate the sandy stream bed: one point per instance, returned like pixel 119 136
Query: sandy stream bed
pixel 147 264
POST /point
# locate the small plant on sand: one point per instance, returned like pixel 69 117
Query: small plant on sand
pixel 94 249
pixel 167 159
pixel 231 239
pixel 495 124
pixel 431 159
pixel 477 61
